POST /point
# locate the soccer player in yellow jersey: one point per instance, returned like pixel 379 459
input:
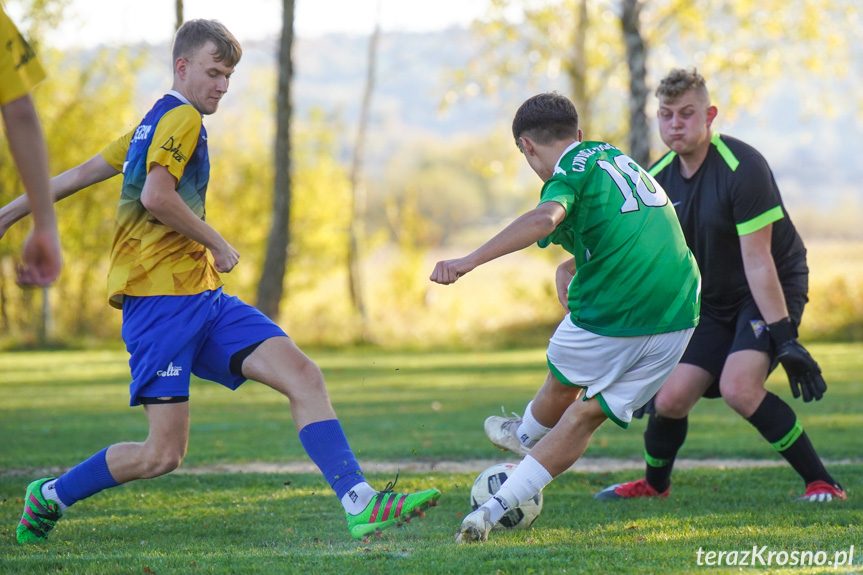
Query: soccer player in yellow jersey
pixel 164 275
pixel 20 71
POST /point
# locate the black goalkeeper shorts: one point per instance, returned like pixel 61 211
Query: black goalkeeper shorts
pixel 714 340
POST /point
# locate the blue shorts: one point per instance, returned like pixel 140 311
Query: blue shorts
pixel 169 338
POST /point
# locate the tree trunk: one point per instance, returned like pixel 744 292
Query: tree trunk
pixel 271 285
pixel 578 69
pixel 46 319
pixel 639 138
pixel 178 7
pixel 358 195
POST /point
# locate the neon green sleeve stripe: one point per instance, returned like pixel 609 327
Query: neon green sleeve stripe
pixel 789 438
pixel 662 163
pixel 724 151
pixel 761 221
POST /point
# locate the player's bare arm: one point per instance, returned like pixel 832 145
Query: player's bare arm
pixel 93 171
pixel 562 278
pixel 804 374
pixel 27 144
pixel 527 229
pixel 40 255
pixel 761 274
pixel 160 198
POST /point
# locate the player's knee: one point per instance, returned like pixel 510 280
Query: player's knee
pixel 310 373
pixel 672 406
pixel 734 390
pixel 161 462
pixel 582 418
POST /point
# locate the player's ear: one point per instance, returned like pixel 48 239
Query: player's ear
pixel 711 115
pixel 580 135
pixel 180 68
pixel 527 147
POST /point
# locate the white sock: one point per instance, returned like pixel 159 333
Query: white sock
pixel 497 507
pixel 49 493
pixel 530 431
pixel 528 479
pixel 357 499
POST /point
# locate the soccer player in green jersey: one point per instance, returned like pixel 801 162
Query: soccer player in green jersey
pixel 631 292
pixel 755 283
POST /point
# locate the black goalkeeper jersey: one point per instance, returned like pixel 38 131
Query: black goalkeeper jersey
pixel 733 193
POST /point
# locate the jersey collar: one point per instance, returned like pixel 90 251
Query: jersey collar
pixel 179 96
pixel 571 147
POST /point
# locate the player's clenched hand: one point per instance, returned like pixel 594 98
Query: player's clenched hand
pixel 225 258
pixel 803 372
pixel 41 260
pixel 562 278
pixel 448 271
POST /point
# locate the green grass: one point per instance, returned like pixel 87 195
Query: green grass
pixel 57 408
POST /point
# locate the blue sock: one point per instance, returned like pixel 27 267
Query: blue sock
pixel 85 479
pixel 326 444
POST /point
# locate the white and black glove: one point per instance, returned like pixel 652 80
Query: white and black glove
pixel 804 375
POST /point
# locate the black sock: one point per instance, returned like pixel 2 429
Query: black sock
pixel 663 438
pixel 778 424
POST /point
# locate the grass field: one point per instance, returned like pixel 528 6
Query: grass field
pixel 57 408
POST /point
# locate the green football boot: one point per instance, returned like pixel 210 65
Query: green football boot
pixel 40 515
pixel 388 509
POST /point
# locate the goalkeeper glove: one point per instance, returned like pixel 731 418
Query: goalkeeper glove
pixel 804 375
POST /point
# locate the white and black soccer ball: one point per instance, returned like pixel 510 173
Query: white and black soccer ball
pixel 488 482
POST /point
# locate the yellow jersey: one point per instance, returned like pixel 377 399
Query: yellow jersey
pixel 147 257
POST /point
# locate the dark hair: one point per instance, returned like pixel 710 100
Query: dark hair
pixel 195 33
pixel 546 118
pixel 679 81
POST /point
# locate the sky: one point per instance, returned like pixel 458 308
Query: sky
pixel 94 22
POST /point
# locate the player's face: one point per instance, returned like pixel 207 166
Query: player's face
pixel 684 123
pixel 203 79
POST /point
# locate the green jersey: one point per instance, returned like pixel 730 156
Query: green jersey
pixel 634 273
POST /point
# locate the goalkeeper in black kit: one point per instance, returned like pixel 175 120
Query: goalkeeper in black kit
pixel 755 284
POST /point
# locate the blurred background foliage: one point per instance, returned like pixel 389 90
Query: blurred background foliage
pixel 438 190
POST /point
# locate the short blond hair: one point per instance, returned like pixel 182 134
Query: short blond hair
pixel 193 34
pixel 680 81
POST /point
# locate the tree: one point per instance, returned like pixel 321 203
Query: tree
pixel 636 60
pixel 271 285
pixel 358 197
pixel 178 12
pixel 743 47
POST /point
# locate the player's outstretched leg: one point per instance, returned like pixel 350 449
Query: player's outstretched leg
pixel 388 509
pixel 630 490
pixel 475 526
pixel 40 515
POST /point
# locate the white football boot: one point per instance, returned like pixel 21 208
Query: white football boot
pixel 502 431
pixel 475 527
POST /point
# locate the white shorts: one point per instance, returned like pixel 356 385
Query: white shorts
pixel 623 373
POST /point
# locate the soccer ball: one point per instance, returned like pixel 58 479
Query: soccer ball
pixel 487 484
